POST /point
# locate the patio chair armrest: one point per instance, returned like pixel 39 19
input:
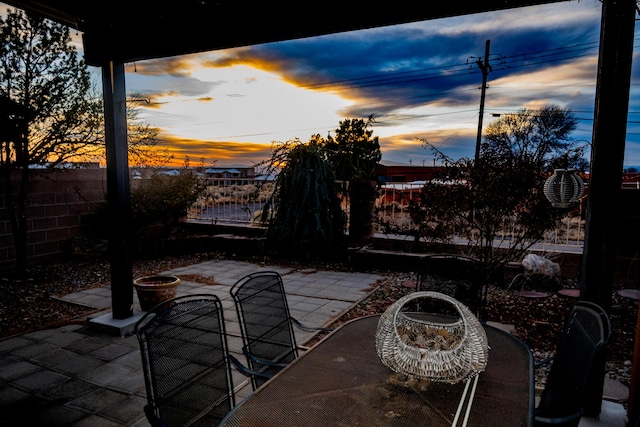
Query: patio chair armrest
pixel 153 419
pixel 301 325
pixel 260 361
pixel 245 370
pixel 543 362
pixel 567 420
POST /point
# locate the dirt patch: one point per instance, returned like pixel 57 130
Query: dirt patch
pixel 198 278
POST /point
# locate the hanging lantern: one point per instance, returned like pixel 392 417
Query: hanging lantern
pixel 564 188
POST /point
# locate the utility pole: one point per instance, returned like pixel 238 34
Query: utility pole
pixel 484 68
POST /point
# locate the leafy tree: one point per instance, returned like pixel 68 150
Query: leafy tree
pixel 142 138
pixel 354 154
pixel 540 138
pixel 304 215
pixel 52 115
pixel 42 74
pixel 500 196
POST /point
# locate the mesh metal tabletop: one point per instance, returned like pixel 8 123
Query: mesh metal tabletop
pixel 342 382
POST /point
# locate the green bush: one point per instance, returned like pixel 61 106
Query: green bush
pixel 304 215
pixel 158 203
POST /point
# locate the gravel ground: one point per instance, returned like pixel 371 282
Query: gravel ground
pixel 34 304
pixel 538 322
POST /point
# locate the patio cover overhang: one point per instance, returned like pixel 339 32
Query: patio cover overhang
pixel 133 30
pixel 119 31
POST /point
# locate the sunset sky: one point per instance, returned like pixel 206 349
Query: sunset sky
pixel 420 81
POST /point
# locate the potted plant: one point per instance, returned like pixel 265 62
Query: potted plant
pixel 152 290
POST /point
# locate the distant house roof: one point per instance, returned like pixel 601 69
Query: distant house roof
pixel 222 170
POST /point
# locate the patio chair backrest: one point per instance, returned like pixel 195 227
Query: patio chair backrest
pixel 265 323
pixel 583 342
pixel 184 356
pixel 457 276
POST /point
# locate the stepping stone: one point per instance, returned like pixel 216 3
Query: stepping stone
pixel 572 293
pixel 630 293
pixel 531 294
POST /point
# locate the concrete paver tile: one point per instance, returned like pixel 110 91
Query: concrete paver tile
pixel 132 383
pixel 96 421
pixel 105 374
pixel 9 395
pixel 54 357
pixel 39 335
pixel 69 390
pixel 111 351
pixel 11 344
pixel 87 345
pixel 126 411
pixel 57 416
pixel 21 412
pixel 40 381
pixel 64 338
pixel 131 360
pixel 304 306
pixel 233 328
pixel 79 364
pixel 96 400
pixel 17 370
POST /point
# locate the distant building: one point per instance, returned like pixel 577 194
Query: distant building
pixel 230 175
pixel 406 173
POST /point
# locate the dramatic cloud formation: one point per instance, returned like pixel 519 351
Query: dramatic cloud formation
pixel 420 81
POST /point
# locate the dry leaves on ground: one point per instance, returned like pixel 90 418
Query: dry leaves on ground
pixel 538 322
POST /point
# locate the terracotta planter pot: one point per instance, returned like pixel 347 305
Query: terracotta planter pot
pixel 152 290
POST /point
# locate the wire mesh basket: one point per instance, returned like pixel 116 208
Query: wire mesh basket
pixel 432 347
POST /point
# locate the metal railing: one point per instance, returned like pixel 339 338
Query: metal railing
pixel 241 200
pixel 231 201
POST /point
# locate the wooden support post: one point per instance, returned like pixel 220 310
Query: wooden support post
pixel 607 159
pixel 113 85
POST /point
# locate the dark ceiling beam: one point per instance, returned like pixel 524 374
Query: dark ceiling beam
pixel 51 12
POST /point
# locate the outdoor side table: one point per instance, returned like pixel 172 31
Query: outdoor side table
pixel 342 382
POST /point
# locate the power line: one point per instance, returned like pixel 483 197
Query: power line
pixel 503 62
pixel 454 70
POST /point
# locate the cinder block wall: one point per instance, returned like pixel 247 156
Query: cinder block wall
pixel 60 204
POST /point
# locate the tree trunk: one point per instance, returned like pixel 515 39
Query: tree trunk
pixel 16 204
pixel 362 195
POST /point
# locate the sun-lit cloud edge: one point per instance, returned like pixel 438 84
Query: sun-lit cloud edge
pixel 525 26
pixel 213 152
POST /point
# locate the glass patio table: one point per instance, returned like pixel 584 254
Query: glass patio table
pixel 342 382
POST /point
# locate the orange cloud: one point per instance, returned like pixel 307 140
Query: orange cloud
pixel 174 66
pixel 220 152
pixel 153 99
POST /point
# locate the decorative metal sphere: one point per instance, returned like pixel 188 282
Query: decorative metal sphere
pixel 564 188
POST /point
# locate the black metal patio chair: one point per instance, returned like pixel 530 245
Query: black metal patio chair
pixel 185 361
pixel 460 277
pixel 570 382
pixel 266 325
